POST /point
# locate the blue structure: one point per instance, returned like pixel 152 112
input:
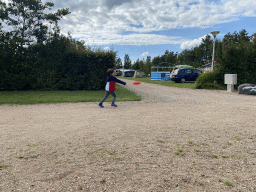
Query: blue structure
pixel 160 75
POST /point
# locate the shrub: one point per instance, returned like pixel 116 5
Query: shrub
pixel 210 80
pixel 210 86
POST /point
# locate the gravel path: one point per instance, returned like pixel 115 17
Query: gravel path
pixel 173 140
pixel 153 93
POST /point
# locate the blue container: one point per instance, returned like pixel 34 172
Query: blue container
pixel 160 75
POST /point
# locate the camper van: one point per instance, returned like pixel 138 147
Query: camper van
pixel 139 74
pixel 125 72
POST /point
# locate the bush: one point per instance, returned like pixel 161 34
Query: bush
pixel 210 86
pixel 210 80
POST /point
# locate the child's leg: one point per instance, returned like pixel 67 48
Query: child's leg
pixel 106 96
pixel 114 95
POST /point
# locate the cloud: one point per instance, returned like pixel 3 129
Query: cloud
pixel 106 49
pixel 144 54
pixel 113 21
pixel 112 3
pixel 131 39
pixel 192 43
pixel 114 17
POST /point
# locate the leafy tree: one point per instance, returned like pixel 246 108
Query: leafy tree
pixel 206 48
pixel 26 17
pixel 188 57
pixel 136 65
pixel 142 65
pixel 236 37
pixel 238 58
pixel 127 62
pixel 171 58
pixel 156 61
pixel 118 63
pixel 148 66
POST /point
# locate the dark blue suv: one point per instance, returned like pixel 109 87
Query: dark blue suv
pixel 185 74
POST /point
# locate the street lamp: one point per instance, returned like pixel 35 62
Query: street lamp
pixel 214 33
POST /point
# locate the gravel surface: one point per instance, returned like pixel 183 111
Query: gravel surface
pixel 173 140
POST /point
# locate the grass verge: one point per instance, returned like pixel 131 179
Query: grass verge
pixel 189 84
pixel 37 97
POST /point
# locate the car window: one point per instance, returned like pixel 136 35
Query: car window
pixel 175 72
pixel 188 70
pixel 182 70
pixel 196 71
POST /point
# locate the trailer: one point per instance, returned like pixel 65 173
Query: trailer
pixel 125 72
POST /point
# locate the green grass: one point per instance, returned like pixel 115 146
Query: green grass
pixel 189 84
pixel 228 183
pixel 37 97
pixel 103 181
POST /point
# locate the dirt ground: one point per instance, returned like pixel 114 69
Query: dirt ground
pixel 173 140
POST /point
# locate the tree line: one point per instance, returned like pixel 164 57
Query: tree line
pixel 235 54
pixel 35 56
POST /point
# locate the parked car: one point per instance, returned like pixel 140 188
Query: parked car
pixel 185 74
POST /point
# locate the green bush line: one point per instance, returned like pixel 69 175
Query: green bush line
pixel 60 64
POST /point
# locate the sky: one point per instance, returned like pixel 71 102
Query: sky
pixel 142 28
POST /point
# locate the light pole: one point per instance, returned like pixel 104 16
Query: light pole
pixel 214 33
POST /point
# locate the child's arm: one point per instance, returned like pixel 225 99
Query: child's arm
pixel 119 81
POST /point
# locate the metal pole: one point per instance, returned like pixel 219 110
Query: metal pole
pixel 213 52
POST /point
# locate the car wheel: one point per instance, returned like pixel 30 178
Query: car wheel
pixel 183 80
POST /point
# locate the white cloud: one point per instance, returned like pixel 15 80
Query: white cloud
pixel 101 22
pixel 144 54
pixel 112 18
pixel 132 39
pixel 106 49
pixel 192 43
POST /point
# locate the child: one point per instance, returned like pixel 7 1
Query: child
pixel 110 87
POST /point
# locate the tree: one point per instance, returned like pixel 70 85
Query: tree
pixel 136 65
pixel 236 37
pixel 119 64
pixel 148 66
pixel 127 62
pixel 206 48
pixel 171 58
pixel 142 65
pixel 187 57
pixel 237 55
pixel 156 61
pixel 26 18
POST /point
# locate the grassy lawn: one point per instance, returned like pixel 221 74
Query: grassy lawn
pixel 189 84
pixel 35 97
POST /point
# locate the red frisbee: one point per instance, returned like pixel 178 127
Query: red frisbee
pixel 136 83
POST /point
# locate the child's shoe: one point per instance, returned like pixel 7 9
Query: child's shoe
pixel 100 104
pixel 114 105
